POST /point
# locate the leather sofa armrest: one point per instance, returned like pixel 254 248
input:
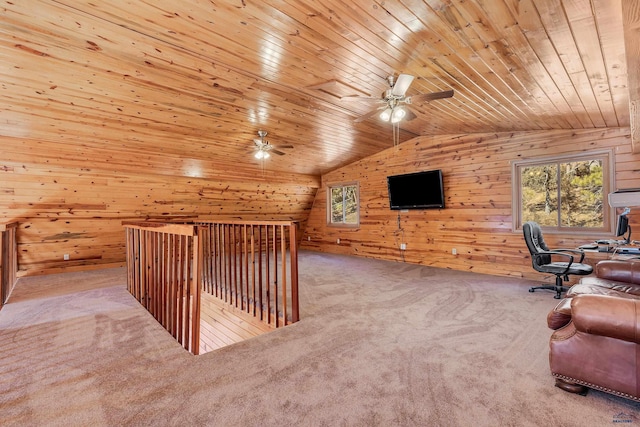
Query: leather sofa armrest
pixel 560 315
pixel 607 316
pixel 619 270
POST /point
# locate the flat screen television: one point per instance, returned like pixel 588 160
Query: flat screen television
pixel 419 190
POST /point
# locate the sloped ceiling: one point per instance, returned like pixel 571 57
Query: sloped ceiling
pixel 197 79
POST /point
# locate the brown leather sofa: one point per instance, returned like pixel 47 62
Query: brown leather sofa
pixel 596 343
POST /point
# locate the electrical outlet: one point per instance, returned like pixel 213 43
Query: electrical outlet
pixel 308 238
pixel 403 246
pixel 338 241
pixel 66 257
pixel 454 251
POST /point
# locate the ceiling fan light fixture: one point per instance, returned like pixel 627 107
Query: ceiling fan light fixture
pixel 398 114
pixel 386 114
pixel 260 154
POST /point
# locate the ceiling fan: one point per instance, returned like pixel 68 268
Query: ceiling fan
pixel 263 148
pixel 395 101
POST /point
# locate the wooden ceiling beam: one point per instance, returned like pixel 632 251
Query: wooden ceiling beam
pixel 631 25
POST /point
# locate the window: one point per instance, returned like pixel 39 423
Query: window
pixel 564 193
pixel 342 200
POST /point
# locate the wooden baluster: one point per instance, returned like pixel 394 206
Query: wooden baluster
pixel 153 272
pixel 245 252
pixel 253 270
pixel 137 263
pixel 268 261
pixel 234 264
pixel 175 287
pixel 260 274
pixel 179 290
pixel 127 252
pixel 203 240
pixel 219 256
pixel 143 270
pixel 293 251
pixel 167 277
pixel 195 291
pixel 216 257
pixel 212 259
pixel 188 259
pixel 276 302
pixel 227 269
pixel 283 256
pixel 163 279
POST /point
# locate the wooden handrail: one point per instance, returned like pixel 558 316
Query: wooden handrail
pixel 162 227
pixel 251 266
pixel 8 260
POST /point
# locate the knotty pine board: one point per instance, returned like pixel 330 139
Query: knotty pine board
pixel 477 186
pixel 74 203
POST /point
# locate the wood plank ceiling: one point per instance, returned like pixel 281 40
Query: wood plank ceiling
pixel 197 79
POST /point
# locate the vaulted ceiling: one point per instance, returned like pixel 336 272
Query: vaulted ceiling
pixel 197 79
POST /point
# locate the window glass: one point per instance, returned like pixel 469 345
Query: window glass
pixel 343 202
pixel 564 194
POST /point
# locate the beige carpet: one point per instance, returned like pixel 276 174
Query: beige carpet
pixel 379 344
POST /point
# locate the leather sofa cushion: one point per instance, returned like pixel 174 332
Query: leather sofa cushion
pixel 561 314
pixel 619 270
pixel 607 316
pixel 599 286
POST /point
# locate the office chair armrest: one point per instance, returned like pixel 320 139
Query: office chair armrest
pixel 558 253
pixel 573 251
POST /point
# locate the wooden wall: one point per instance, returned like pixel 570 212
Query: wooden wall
pixel 477 218
pixel 72 198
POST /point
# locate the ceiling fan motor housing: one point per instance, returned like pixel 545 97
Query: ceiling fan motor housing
pixel 387 94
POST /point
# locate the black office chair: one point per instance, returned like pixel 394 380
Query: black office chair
pixel 541 259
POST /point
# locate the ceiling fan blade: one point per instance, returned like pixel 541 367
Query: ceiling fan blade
pixel 284 146
pixel 366 116
pixel 278 152
pixel 402 84
pixel 258 142
pixel 418 99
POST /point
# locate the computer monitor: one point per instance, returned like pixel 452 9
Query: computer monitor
pixel 622 227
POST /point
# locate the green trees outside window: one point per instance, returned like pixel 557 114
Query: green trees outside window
pixel 343 202
pixel 564 194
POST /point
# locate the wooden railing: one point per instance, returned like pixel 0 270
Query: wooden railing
pixel 8 260
pixel 163 274
pixel 250 266
pixel 253 266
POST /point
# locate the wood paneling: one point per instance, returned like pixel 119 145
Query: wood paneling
pixel 114 111
pixel 631 13
pixel 477 218
pixel 196 80
pixel 74 203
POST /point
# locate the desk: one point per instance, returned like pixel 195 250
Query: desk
pixel 593 256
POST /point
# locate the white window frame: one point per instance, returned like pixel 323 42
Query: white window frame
pixel 608 180
pixel 343 224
